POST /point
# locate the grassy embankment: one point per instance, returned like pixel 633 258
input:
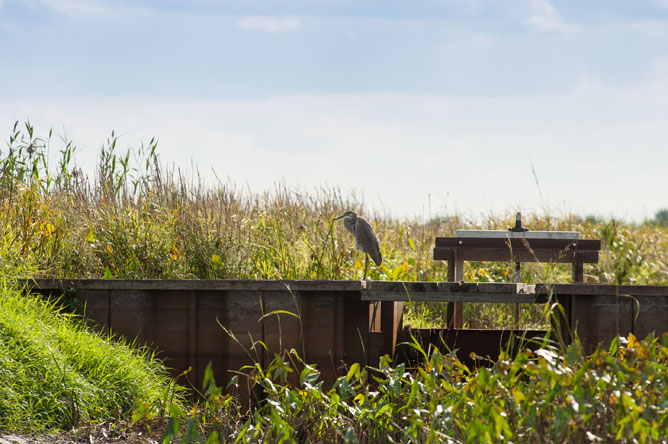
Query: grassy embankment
pixel 57 374
pixel 135 219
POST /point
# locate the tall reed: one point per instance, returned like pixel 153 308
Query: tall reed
pixel 136 218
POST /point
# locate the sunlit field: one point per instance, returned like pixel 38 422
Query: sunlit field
pixel 135 218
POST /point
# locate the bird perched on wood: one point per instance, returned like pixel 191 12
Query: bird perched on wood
pixel 366 239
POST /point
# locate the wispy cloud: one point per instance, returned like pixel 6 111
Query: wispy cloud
pixel 545 18
pixel 270 24
pixel 72 8
pixel 86 9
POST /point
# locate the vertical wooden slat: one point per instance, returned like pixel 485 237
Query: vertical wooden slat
pixel 578 268
pixel 455 310
pixel 193 354
pixel 355 326
pixel 450 309
pixel 375 314
pixel 388 327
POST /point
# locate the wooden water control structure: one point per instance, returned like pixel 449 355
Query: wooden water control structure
pixel 332 324
pixel 517 245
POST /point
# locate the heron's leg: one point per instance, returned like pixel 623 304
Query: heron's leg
pixel 366 264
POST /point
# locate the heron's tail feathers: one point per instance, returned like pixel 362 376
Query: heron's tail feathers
pixel 377 258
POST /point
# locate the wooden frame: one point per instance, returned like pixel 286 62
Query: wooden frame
pixel 516 249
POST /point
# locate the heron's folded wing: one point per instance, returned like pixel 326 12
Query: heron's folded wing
pixel 367 240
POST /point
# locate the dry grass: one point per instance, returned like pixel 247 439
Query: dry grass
pixel 136 219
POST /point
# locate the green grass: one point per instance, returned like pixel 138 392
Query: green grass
pixel 56 374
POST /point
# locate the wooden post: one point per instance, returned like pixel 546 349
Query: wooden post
pixel 578 277
pixel 374 317
pixel 388 327
pixel 578 268
pixel 518 273
pixel 454 313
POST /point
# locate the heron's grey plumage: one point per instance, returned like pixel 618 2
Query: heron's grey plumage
pixel 365 238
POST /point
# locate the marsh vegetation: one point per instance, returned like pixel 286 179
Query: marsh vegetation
pixel 136 218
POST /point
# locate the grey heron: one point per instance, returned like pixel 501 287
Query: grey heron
pixel 366 239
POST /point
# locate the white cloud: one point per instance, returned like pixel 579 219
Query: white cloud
pixel 270 24
pixel 545 18
pixel 87 9
pixel 79 8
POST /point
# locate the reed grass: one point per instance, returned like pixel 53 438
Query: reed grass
pixel 136 218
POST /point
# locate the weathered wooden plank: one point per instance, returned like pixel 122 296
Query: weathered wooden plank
pixel 96 304
pixel 598 319
pixel 196 284
pixel 399 286
pixel 323 318
pixel 517 244
pixel 157 322
pixel 454 287
pixel 374 317
pixel 515 255
pixel 193 358
pixel 282 331
pixel 652 315
pixel 239 312
pixel 389 325
pixel 353 326
pixel 212 341
pixel 454 314
pixel 602 289
pixel 505 234
pixel 442 296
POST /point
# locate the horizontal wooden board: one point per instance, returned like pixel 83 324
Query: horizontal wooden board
pixel 517 255
pixel 441 296
pixel 554 244
pixel 450 292
pixel 455 287
pixel 505 234
pixel 602 289
pixel 194 284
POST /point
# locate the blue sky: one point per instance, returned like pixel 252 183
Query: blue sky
pixel 420 106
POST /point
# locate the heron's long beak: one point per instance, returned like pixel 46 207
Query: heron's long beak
pixel 339 217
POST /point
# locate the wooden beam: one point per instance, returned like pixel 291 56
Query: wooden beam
pixel 556 244
pixel 194 284
pixel 453 292
pixel 441 296
pixel 505 234
pixel 602 289
pixel 508 255
pixel 455 287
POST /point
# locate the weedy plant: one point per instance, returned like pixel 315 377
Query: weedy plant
pixel 617 394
